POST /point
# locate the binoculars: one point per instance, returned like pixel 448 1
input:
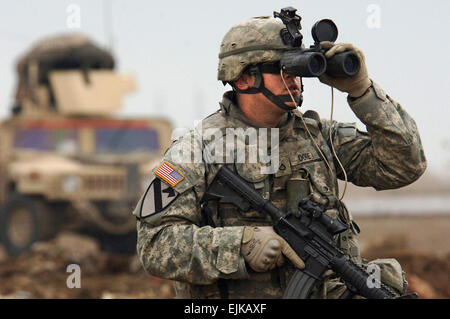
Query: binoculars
pixel 312 62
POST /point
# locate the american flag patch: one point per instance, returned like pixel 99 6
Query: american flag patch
pixel 169 174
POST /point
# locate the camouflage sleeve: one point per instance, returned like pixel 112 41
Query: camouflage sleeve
pixel 390 155
pixel 175 244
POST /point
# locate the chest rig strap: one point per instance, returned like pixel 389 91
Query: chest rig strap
pixel 346 240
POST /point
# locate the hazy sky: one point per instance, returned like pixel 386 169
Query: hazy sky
pixel 172 48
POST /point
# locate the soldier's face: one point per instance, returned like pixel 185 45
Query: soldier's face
pixel 275 84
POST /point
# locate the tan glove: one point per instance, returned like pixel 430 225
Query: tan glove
pixel 356 85
pixel 263 249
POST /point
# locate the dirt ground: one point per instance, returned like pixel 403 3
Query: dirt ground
pixel 421 244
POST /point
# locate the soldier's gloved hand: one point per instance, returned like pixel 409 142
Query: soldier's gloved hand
pixel 263 249
pixel 355 85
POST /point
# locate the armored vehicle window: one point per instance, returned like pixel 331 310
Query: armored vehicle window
pixel 60 140
pixel 118 140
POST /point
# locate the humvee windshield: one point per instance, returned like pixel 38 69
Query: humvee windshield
pixel 59 140
pixel 126 140
pixel 113 137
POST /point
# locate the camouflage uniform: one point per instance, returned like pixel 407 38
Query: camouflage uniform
pixel 201 251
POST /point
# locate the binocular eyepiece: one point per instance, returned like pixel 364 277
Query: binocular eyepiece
pixel 312 62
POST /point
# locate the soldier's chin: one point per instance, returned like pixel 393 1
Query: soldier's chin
pixel 291 105
pixel 287 99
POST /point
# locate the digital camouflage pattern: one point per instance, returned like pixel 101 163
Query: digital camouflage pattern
pixel 198 251
pixel 252 41
pixel 391 273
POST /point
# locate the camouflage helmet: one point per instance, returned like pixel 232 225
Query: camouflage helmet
pixel 253 41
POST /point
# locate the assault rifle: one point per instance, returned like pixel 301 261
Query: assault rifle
pixel 310 233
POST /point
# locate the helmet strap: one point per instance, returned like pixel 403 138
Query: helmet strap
pixel 259 87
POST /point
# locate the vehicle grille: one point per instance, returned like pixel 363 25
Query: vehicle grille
pixel 102 186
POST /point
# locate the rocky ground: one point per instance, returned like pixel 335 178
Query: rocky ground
pixel 43 272
pixel 420 244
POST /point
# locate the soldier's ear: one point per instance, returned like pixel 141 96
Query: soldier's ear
pixel 245 81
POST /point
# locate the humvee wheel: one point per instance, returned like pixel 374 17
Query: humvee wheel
pixel 23 221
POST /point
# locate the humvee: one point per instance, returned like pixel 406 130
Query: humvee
pixel 67 160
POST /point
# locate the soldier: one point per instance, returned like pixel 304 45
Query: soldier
pixel 214 250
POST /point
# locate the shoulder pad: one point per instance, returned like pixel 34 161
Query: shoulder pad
pixel 346 129
pixel 213 121
pixel 212 116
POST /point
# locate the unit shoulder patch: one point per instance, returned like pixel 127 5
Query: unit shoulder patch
pixel 159 195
